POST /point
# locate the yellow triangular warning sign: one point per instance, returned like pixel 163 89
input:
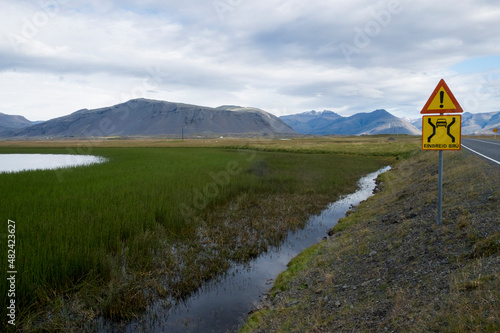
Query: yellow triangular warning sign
pixel 442 101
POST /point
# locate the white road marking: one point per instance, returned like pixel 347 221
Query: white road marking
pixel 489 158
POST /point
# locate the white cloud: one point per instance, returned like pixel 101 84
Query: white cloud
pixel 284 56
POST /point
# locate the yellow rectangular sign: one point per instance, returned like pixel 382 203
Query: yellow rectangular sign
pixel 441 132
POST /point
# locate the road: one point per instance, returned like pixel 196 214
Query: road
pixel 488 149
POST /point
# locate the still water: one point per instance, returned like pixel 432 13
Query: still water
pixel 223 305
pixel 25 162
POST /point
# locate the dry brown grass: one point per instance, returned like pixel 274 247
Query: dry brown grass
pixel 366 145
pixel 391 268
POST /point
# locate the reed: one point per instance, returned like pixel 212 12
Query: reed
pixel 98 231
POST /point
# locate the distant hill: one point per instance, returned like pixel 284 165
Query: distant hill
pixel 143 117
pixel 474 123
pixel 328 122
pixel 8 122
pixel 311 121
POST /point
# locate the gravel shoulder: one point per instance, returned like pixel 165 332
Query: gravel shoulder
pixel 390 268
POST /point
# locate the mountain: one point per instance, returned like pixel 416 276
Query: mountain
pixel 473 123
pixel 144 117
pixel 480 123
pixel 376 122
pixel 8 122
pixel 309 122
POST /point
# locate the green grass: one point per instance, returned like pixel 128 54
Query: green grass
pixel 68 221
pixel 297 264
pixel 98 231
pixel 384 249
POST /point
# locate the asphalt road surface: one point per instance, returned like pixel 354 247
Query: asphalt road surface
pixel 488 149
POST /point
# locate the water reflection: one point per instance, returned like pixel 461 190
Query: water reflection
pixel 25 162
pixel 223 305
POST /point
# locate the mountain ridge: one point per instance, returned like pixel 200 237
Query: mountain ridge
pixel 146 117
pixel 474 123
pixel 125 119
pixel 10 122
pixel 366 123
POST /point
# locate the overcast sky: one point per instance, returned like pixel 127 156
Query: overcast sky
pixel 283 56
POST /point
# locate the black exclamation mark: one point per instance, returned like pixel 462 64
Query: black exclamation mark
pixel 441 95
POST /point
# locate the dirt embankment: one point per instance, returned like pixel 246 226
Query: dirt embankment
pixel 390 268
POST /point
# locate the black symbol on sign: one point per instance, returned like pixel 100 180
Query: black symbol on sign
pixel 441 122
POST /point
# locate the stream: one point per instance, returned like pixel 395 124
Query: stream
pixel 223 305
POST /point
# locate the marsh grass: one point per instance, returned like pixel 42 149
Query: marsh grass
pixel 390 267
pixel 106 239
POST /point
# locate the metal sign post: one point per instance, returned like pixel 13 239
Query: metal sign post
pixel 441 132
pixel 440 190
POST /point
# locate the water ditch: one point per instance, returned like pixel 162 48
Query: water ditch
pixel 223 305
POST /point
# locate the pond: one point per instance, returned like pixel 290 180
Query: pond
pixel 223 305
pixel 25 162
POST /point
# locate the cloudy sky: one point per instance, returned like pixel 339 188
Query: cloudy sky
pixel 283 56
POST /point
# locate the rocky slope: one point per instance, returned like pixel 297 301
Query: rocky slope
pixel 390 268
pixel 9 122
pixel 142 117
pixel 310 122
pixel 371 123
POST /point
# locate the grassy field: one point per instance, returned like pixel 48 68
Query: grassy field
pixel 160 217
pixel 377 145
pixel 390 267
